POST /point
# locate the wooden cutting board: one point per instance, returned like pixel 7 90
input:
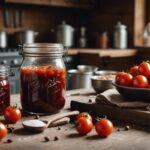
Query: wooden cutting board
pixel 135 116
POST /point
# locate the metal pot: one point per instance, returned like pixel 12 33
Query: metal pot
pixel 26 37
pixel 65 34
pixel 3 39
pixel 120 36
pixel 79 79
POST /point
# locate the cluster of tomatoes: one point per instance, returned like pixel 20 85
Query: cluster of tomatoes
pixel 11 115
pixel 138 76
pixel 103 127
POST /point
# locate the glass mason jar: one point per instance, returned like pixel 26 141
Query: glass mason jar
pixel 4 87
pixel 43 78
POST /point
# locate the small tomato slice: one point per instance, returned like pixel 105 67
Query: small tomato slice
pixel 144 69
pixel 104 127
pixel 124 79
pixel 86 115
pixel 12 114
pixel 140 81
pixel 3 131
pixel 84 126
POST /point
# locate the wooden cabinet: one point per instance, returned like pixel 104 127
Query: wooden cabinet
pixel 60 3
pixel 103 17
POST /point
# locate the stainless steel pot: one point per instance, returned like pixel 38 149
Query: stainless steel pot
pixel 26 37
pixel 120 36
pixel 3 39
pixel 79 79
pixel 65 34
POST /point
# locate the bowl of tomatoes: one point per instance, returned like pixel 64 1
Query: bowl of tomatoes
pixel 135 84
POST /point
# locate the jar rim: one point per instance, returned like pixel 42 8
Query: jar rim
pixel 42 49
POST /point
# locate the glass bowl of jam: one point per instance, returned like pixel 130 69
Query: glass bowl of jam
pixel 43 78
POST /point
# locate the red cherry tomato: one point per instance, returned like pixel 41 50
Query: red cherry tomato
pixel 86 115
pixel 144 69
pixel 140 81
pixel 134 70
pixel 124 79
pixel 104 127
pixel 84 126
pixel 3 131
pixel 12 114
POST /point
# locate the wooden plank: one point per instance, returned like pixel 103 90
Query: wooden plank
pixel 1 17
pixel 126 115
pixel 113 53
pixel 74 3
pixel 12 30
pixel 60 3
pixel 139 21
pixel 37 2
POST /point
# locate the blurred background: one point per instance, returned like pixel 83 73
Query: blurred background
pixel 108 34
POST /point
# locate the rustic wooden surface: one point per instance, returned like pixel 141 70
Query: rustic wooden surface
pixel 136 138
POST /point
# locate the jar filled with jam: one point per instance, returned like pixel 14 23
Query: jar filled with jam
pixel 4 87
pixel 43 78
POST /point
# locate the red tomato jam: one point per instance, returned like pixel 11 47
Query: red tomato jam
pixel 43 89
pixel 4 94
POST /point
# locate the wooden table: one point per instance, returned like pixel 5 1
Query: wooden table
pixel 137 138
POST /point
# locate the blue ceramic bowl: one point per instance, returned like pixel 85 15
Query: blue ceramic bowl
pixel 133 94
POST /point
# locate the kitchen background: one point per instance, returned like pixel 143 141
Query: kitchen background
pixel 93 22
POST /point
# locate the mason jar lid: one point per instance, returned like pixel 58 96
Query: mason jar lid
pixel 38 49
pixel 4 70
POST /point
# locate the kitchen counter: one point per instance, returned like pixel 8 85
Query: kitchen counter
pixel 68 139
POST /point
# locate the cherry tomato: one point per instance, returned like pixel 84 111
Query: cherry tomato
pixel 3 130
pixel 140 81
pixel 124 79
pixel 144 69
pixel 134 70
pixel 86 115
pixel 104 127
pixel 12 114
pixel 84 126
